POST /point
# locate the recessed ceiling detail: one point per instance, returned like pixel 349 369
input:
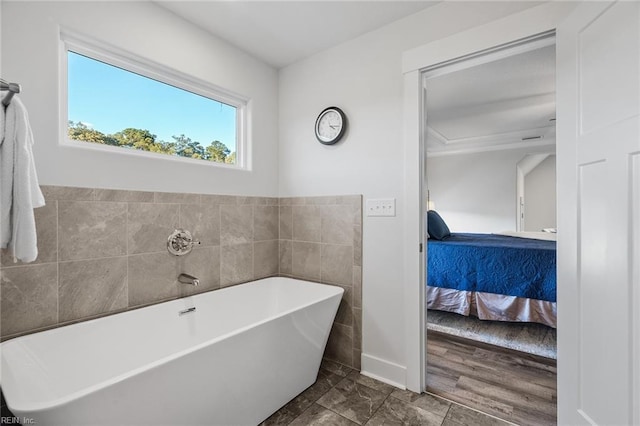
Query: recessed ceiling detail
pixel 509 102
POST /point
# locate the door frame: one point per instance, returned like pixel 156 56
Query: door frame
pixel 521 196
pixel 479 40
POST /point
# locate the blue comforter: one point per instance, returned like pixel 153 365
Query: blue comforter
pixel 494 264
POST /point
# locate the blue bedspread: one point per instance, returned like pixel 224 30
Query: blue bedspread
pixel 494 264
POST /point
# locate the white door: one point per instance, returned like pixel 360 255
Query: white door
pixel 598 153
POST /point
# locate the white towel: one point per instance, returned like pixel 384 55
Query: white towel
pixel 19 189
pixel 2 119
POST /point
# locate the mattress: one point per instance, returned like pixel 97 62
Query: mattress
pixel 497 264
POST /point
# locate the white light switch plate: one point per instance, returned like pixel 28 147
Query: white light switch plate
pixel 381 207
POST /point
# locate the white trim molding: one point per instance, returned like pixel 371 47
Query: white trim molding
pixel 384 371
pixel 71 41
pixel 485 38
pixel 528 24
pixel 414 235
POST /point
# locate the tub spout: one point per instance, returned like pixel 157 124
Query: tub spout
pixel 188 279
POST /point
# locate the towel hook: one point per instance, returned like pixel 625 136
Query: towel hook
pixel 13 88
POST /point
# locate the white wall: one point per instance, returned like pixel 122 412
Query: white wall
pixel 476 192
pixel 364 78
pixel 30 56
pixel 540 196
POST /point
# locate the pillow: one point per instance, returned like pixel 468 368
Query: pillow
pixel 437 229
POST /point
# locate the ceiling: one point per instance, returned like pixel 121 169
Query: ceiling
pixel 494 105
pixel 283 32
pixel 508 102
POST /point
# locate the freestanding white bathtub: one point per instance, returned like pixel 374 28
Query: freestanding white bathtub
pixel 244 352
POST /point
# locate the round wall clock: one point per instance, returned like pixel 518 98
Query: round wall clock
pixel 330 125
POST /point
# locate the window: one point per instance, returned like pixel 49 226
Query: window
pixel 116 102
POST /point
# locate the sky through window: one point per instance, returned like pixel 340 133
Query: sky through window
pixel 109 99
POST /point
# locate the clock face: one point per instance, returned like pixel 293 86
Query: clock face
pixel 330 125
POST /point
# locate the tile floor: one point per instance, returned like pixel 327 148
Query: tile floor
pixel 342 396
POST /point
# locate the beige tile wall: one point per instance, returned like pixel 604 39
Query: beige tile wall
pixel 321 240
pixel 104 251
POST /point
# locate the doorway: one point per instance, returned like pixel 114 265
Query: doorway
pixel 603 188
pixel 536 207
pixel 490 136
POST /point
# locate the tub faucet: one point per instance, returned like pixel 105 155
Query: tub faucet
pixel 188 279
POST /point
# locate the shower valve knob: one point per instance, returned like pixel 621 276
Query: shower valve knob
pixel 180 242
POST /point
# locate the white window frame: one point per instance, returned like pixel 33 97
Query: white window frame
pixel 111 55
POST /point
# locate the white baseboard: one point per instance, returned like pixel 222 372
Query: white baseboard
pixel 384 371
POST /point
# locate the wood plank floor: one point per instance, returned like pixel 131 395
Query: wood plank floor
pixel 511 385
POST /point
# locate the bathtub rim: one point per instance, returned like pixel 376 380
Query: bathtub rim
pixel 42 406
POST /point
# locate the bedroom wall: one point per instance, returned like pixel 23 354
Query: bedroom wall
pixel 30 56
pixel 476 192
pixel 364 78
pixel 540 196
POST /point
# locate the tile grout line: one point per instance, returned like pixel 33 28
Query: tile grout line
pixel 220 245
pixel 447 413
pixel 253 242
pixel 126 243
pixel 57 263
pixel 279 223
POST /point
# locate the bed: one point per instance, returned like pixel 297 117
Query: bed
pixel 493 277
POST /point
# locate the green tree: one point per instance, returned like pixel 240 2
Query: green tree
pixel 79 131
pixel 142 140
pixel 185 147
pixel 231 158
pixel 217 151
